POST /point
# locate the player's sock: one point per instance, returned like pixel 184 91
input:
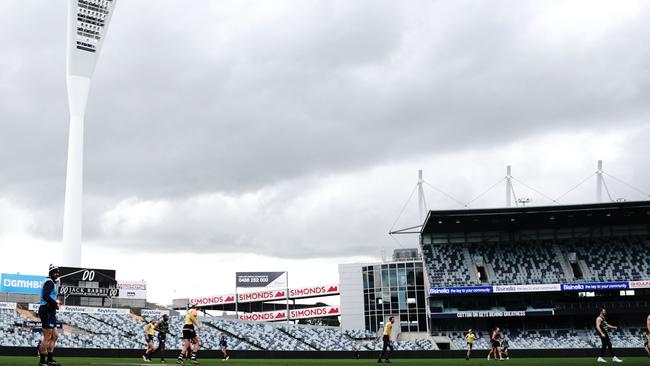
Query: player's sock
pixel 42 358
pixel 50 356
pixel 193 356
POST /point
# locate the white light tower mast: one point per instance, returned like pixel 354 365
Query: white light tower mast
pixel 599 182
pixel 508 186
pixel 87 25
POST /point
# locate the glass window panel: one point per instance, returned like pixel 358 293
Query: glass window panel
pixel 393 277
pixel 410 277
pixel 401 277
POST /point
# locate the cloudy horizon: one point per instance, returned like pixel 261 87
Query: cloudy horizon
pixel 289 134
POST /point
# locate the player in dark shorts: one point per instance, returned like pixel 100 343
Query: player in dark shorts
pixel 388 342
pixel 495 339
pixel 223 346
pixel 505 346
pixel 149 331
pixel 190 326
pixel 603 328
pixel 49 303
pixel 163 329
pixel 470 338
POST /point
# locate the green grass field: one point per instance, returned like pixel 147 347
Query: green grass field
pixel 78 361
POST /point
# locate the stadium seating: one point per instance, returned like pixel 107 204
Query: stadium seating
pixel 361 334
pixel 126 332
pixel 624 259
pixel 538 262
pixel 545 339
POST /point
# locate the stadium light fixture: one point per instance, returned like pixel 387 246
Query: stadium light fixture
pixel 524 201
pixel 86 30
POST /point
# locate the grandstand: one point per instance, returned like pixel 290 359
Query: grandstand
pixel 125 331
pixel 540 273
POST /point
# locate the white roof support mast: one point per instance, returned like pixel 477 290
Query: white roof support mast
pixel 422 201
pixel 509 193
pixel 599 182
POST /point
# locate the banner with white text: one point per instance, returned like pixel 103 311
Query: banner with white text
pixel 261 279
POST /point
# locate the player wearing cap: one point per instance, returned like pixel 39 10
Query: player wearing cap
pixel 49 303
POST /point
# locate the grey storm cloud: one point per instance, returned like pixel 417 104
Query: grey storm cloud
pixel 196 98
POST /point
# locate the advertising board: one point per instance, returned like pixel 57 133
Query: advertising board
pixel 21 284
pixel 261 279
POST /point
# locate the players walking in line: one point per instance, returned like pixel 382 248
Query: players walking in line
pixel 495 339
pixel 163 329
pixel 505 346
pixel 223 346
pixel 470 337
pixel 603 329
pixel 47 313
pixel 149 331
pixel 190 326
pixel 388 342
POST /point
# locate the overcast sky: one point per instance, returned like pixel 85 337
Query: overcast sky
pixel 287 135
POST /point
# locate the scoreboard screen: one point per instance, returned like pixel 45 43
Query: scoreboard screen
pixel 74 275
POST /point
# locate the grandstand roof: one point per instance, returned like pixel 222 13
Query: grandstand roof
pixel 537 217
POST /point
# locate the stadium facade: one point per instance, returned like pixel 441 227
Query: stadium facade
pixel 526 269
pixel 372 292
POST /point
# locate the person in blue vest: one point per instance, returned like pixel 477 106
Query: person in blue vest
pixel 49 303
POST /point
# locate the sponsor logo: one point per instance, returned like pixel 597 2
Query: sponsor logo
pixel 153 313
pixel 265 295
pixel 314 312
pixel 311 291
pixel 21 284
pixel 140 286
pixel 212 300
pixel 640 284
pixel 460 290
pixel 317 312
pixel 266 316
pixel 261 296
pixel 595 286
pixel 527 288
pixel 87 291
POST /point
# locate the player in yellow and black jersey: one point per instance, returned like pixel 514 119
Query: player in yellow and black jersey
pixel 190 326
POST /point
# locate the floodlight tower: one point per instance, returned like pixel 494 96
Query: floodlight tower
pixel 87 25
